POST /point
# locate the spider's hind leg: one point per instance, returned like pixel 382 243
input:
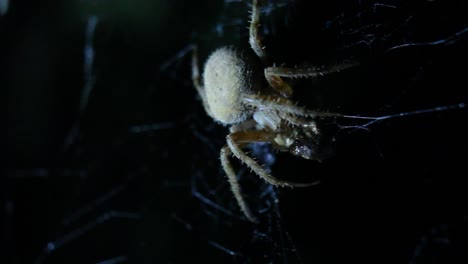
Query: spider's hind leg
pixel 197 80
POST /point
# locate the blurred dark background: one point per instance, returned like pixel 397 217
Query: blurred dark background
pixel 108 156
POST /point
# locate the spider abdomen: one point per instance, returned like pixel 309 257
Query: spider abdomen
pixel 226 77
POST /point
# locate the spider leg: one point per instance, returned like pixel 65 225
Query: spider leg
pixel 274 75
pixel 283 105
pixel 308 72
pixel 196 80
pixel 245 125
pixel 277 83
pixel 235 188
pixel 254 38
pixel 235 142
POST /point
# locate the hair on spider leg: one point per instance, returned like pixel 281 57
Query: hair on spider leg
pixel 264 152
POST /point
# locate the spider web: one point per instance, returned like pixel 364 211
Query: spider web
pixel 122 165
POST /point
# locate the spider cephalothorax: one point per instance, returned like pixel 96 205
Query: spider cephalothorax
pixel 258 108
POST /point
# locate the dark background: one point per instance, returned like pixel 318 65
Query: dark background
pixel 128 175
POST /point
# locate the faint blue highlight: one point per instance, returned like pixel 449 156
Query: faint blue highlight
pixel 3 7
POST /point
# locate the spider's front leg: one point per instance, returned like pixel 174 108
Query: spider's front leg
pixel 235 188
pixel 254 38
pixel 274 75
pixel 285 107
pixel 235 142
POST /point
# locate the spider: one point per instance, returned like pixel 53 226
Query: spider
pixel 234 93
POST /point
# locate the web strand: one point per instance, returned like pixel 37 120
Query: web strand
pixel 374 120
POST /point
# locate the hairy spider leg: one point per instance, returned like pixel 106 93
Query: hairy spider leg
pixel 245 125
pixel 235 187
pixel 254 38
pixel 277 83
pixel 235 142
pixel 283 105
pixel 273 75
pixel 196 80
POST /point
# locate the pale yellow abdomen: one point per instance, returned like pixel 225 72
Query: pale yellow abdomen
pixel 226 77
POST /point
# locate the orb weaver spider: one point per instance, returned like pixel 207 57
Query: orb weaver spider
pixel 234 93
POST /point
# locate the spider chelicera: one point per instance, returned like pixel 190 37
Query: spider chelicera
pixel 234 93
